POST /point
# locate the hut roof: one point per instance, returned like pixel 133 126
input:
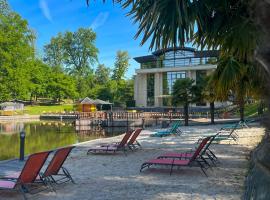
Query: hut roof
pixel 101 102
pixel 87 100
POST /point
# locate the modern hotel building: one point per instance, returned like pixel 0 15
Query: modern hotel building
pixel 158 72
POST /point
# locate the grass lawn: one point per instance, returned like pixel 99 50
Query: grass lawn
pixel 37 110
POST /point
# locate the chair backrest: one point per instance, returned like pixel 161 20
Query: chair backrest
pixel 211 139
pixel 32 167
pixel 125 138
pixel 175 126
pixel 57 161
pixel 200 148
pixel 135 135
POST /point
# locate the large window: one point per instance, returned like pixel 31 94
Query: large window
pixel 168 80
pixel 150 89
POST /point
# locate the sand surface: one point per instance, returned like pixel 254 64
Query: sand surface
pixel 102 177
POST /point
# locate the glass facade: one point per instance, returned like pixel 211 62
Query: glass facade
pixel 150 89
pixel 152 64
pixel 168 80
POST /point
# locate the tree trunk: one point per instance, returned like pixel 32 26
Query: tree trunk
pixel 212 112
pixel 242 109
pixel 186 114
pixel 31 96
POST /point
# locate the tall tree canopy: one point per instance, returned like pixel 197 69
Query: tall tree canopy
pixel 16 53
pixel 121 65
pixel 74 51
pixel 102 74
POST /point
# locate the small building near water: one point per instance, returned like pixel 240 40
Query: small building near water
pixel 90 105
pixel 8 108
pixel 86 105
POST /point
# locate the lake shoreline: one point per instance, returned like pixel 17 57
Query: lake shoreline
pixel 23 118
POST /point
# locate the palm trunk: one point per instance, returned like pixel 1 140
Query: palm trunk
pixel 212 112
pixel 242 109
pixel 186 114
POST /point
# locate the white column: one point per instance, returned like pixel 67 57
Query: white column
pixel 140 90
pixel 158 89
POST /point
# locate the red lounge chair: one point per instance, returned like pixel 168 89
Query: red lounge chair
pixel 56 165
pixel 133 142
pixel 112 148
pixel 177 162
pixel 27 178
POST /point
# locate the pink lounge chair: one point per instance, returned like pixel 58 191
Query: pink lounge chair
pixel 27 178
pixel 133 142
pixel 112 148
pixel 178 162
pixel 188 155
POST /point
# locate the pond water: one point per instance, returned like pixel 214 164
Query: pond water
pixel 47 135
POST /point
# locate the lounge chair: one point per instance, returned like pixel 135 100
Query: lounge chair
pixel 179 162
pixel 227 135
pixel 206 151
pixel 133 142
pixel 112 148
pixel 27 180
pixel 56 164
pixel 173 130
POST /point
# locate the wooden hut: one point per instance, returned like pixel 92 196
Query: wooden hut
pixel 86 105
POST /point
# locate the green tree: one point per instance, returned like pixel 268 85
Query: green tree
pixel 16 53
pixel 102 74
pixel 184 92
pixel 76 53
pixel 121 65
pixel 209 94
pixel 61 85
pixel 39 73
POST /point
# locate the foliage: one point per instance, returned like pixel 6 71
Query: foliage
pixel 121 65
pixel 184 93
pixel 16 52
pixel 102 74
pixel 74 51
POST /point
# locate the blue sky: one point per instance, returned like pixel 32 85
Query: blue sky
pixel 114 30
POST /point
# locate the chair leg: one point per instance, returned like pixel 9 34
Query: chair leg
pixel 171 170
pixel 201 166
pixel 66 172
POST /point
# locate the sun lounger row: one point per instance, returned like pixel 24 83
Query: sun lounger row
pixel 129 141
pixel 30 178
pixel 199 157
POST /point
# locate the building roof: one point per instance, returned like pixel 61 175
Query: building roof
pixel 87 100
pixel 101 102
pixel 148 58
pixel 155 55
pixel 162 51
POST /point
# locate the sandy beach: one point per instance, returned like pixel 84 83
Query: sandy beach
pixel 102 177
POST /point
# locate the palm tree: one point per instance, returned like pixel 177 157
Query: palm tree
pixel 184 93
pixel 208 94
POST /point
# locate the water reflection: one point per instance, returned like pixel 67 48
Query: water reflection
pixel 47 135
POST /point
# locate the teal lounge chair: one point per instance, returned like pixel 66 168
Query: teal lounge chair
pixel 166 132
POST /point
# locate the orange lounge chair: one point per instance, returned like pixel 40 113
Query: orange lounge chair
pixel 56 164
pixel 27 179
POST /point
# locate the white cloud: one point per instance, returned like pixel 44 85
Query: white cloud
pixel 99 20
pixel 45 9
